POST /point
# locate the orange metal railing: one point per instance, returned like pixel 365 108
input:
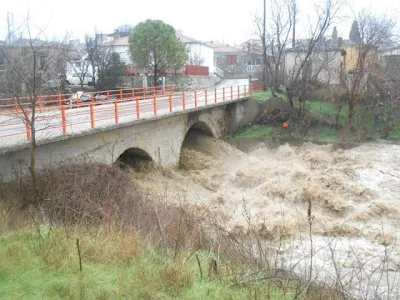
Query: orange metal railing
pixel 69 113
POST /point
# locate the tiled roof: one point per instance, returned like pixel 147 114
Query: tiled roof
pixel 187 40
pixel 223 48
pixel 122 41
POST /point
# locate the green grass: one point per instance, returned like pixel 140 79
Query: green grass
pixel 260 96
pixel 47 268
pixel 327 109
pixel 382 127
pixel 323 134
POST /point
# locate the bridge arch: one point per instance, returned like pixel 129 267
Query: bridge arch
pixel 190 139
pixel 134 157
pixel 201 127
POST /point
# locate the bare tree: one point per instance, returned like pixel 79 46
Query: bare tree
pixel 316 47
pixel 195 59
pixel 31 63
pixel 78 62
pixel 94 52
pixel 376 35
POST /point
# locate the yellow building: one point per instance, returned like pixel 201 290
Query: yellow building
pixel 350 59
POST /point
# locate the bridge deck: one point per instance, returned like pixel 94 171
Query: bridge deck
pixel 69 119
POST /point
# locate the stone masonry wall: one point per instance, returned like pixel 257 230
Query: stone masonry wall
pixel 190 83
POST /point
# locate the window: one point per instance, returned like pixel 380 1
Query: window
pixel 231 59
pixel 42 62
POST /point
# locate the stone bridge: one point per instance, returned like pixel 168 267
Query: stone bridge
pixel 158 138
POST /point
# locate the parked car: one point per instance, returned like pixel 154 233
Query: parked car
pixel 75 79
pixel 86 97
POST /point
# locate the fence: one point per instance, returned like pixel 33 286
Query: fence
pixel 72 113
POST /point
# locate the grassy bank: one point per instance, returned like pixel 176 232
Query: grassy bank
pixel 114 266
pixel 367 125
pixel 260 96
pixel 323 134
pixel 130 246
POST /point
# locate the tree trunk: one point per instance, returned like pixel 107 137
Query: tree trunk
pixel 290 96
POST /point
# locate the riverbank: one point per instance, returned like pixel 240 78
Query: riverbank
pixel 273 221
pixel 325 122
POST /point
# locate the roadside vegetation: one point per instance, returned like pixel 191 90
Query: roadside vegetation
pixel 85 239
pixel 370 123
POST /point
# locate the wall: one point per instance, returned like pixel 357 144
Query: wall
pixel 123 52
pixel 190 83
pixel 239 70
pixel 329 73
pixel 242 113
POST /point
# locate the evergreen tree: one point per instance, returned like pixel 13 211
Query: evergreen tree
pixel 355 32
pixel 334 36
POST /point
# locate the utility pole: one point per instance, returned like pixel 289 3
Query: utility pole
pixel 10 25
pixel 264 44
pixel 294 24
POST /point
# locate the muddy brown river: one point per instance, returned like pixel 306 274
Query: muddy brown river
pixel 355 198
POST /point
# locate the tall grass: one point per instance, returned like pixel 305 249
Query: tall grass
pixel 164 251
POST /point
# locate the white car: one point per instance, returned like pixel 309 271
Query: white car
pixel 86 97
pixel 75 79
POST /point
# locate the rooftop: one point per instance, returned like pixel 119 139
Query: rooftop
pixel 187 40
pixel 122 41
pixel 223 48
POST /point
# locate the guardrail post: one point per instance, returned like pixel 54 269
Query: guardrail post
pixel 63 120
pixel 108 95
pixel 91 115
pixel 27 124
pixel 120 95
pixel 215 95
pixel 238 91
pixel 170 102
pixel 133 94
pixel 251 89
pixel 154 90
pixel 116 111
pixel 144 92
pixel 205 96
pixel 183 101
pixel 137 109
pixel 155 104
pixel 231 92
pixel 16 104
pixel 40 104
pixel 245 91
pixel 77 101
pixel 223 94
pixel 195 98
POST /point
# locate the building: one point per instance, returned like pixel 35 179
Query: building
pixel 22 58
pixel 323 65
pixel 237 62
pixel 199 53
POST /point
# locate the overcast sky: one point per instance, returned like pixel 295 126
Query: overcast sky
pixel 227 20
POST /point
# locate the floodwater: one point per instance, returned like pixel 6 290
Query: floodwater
pixel 353 196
